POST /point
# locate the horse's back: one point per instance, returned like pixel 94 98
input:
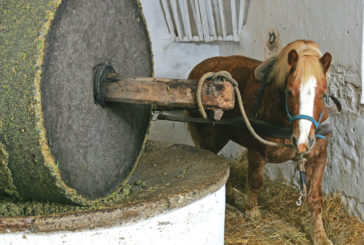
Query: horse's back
pixel 239 66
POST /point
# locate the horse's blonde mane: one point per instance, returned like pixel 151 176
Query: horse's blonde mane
pixel 308 62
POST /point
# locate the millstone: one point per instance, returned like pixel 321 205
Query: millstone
pixel 59 144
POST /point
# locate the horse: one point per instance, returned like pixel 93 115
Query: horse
pixel 288 89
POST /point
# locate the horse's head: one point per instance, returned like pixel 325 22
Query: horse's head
pixel 301 71
pixel 305 94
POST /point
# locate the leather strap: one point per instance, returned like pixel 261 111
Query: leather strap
pixel 261 127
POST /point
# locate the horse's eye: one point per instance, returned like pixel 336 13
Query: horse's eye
pixel 289 92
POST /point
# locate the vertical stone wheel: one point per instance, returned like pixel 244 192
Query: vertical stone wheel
pixel 55 142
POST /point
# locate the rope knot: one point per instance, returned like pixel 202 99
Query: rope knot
pixel 225 76
pixel 215 76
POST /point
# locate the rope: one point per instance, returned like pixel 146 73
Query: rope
pixel 206 76
pixel 301 167
pixel 226 76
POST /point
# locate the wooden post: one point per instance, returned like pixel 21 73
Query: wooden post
pixel 167 93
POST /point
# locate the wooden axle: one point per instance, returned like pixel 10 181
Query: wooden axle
pixel 162 93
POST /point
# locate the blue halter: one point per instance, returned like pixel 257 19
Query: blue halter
pixel 306 117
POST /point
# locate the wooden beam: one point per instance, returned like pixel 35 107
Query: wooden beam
pixel 167 93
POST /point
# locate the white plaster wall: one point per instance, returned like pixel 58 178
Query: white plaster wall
pixel 199 223
pixel 336 25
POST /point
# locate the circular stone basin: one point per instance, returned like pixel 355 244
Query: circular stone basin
pixel 177 197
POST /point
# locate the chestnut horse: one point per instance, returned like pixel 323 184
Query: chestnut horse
pixel 296 85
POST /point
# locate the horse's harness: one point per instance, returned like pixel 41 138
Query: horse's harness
pixel 321 128
pixel 306 117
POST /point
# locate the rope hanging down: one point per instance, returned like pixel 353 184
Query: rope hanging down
pixel 302 170
pixel 226 76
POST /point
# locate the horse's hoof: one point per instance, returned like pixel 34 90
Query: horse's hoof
pixel 322 241
pixel 230 198
pixel 253 213
pixel 320 238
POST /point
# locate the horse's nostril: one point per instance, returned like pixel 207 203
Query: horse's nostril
pixel 311 142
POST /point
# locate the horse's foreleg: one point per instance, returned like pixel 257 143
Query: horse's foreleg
pixel 255 180
pixel 315 169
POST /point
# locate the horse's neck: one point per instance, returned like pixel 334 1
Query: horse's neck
pixel 272 107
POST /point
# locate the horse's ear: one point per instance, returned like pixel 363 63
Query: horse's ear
pixel 263 71
pixel 326 61
pixel 292 58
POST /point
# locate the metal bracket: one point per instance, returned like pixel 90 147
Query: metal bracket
pixel 100 73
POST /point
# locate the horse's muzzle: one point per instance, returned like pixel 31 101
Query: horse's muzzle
pixel 304 147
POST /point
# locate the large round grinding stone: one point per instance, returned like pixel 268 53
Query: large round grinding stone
pixel 60 145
